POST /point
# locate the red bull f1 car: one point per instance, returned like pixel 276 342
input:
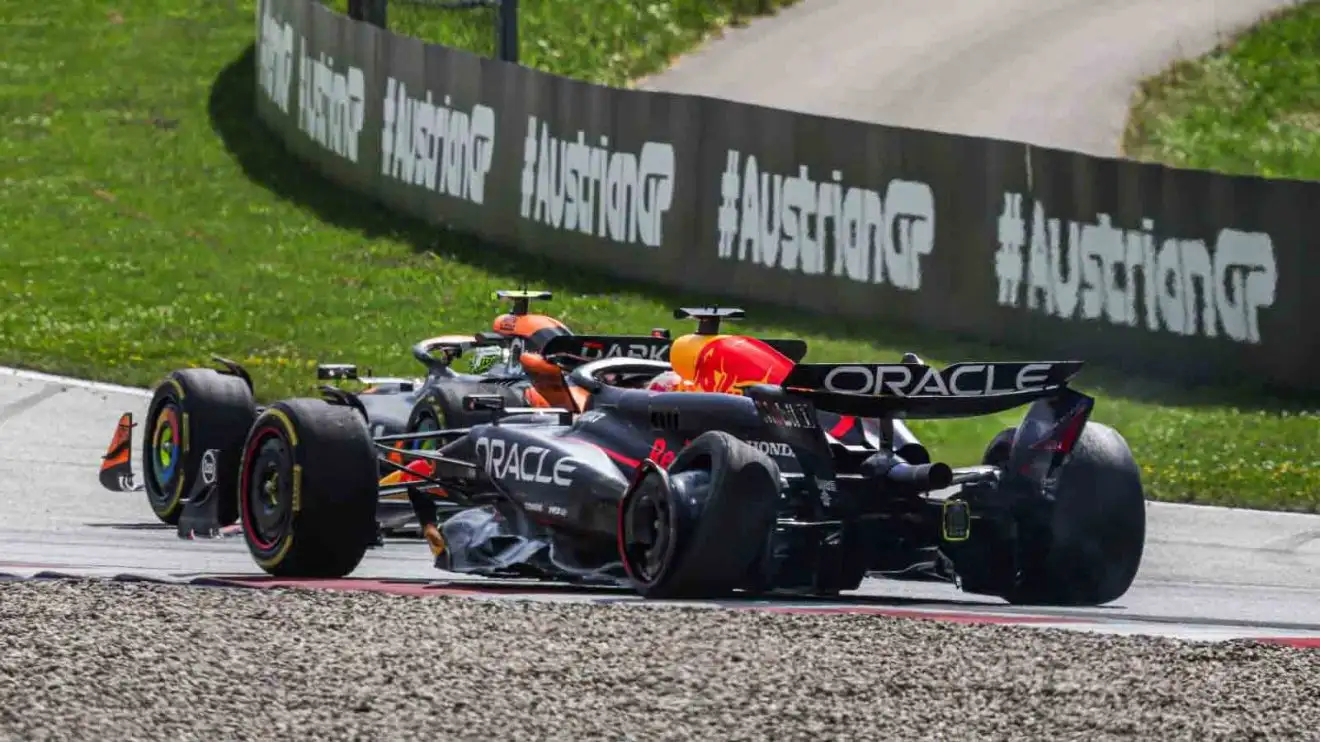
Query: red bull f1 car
pixel 725 480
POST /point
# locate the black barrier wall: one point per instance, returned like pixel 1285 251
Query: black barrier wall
pixel 1185 273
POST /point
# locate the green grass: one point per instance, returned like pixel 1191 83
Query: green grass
pixel 1251 107
pixel 146 220
pixel 612 42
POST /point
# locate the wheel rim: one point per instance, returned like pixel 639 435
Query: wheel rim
pixel 426 424
pixel 648 532
pixel 267 489
pixel 166 450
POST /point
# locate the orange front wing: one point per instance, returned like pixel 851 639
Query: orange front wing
pixel 417 471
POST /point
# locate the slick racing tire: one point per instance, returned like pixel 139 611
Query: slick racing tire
pixel 442 408
pixel 307 489
pixel 194 410
pixel 698 529
pixel 1090 548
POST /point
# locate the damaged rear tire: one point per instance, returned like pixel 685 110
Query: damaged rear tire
pixel 696 530
pixel 1088 548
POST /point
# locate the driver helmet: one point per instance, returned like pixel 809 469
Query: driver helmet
pixel 666 381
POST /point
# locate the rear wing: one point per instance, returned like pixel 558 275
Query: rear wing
pixel 521 299
pixel 595 347
pixel 916 390
pixel 650 347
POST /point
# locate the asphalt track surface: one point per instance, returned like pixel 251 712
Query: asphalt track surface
pixel 1054 73
pixel 1254 571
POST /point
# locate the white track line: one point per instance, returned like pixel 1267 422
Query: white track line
pixel 94 386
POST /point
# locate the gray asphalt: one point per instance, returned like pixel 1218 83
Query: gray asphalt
pixel 1055 73
pixel 1203 565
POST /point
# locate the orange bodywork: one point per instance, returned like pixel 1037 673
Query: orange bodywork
pixel 548 386
pixel 116 472
pixel 120 445
pixel 417 469
pixel 524 325
pixel 549 389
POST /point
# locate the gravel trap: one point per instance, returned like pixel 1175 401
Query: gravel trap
pixel 132 661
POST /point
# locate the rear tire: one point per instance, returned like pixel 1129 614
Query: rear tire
pixel 442 408
pixel 307 489
pixel 193 410
pixel 1090 549
pixel 697 530
pixel 997 451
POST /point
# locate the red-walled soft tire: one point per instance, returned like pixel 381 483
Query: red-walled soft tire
pixel 307 489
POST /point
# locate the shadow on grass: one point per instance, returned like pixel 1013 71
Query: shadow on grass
pixel 266 162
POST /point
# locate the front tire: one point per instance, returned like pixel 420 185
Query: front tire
pixel 307 489
pixel 193 410
pixel 697 530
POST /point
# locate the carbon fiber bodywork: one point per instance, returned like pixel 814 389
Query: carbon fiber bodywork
pixel 868 502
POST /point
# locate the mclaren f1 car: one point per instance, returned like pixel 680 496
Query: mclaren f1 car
pixel 727 483
pixel 198 417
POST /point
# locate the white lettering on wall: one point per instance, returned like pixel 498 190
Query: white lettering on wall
pixel 275 59
pixel 330 104
pixel 619 196
pixel 433 145
pixel 1072 269
pixel 796 223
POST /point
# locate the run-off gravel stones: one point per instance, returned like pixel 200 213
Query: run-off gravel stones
pixel 119 661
